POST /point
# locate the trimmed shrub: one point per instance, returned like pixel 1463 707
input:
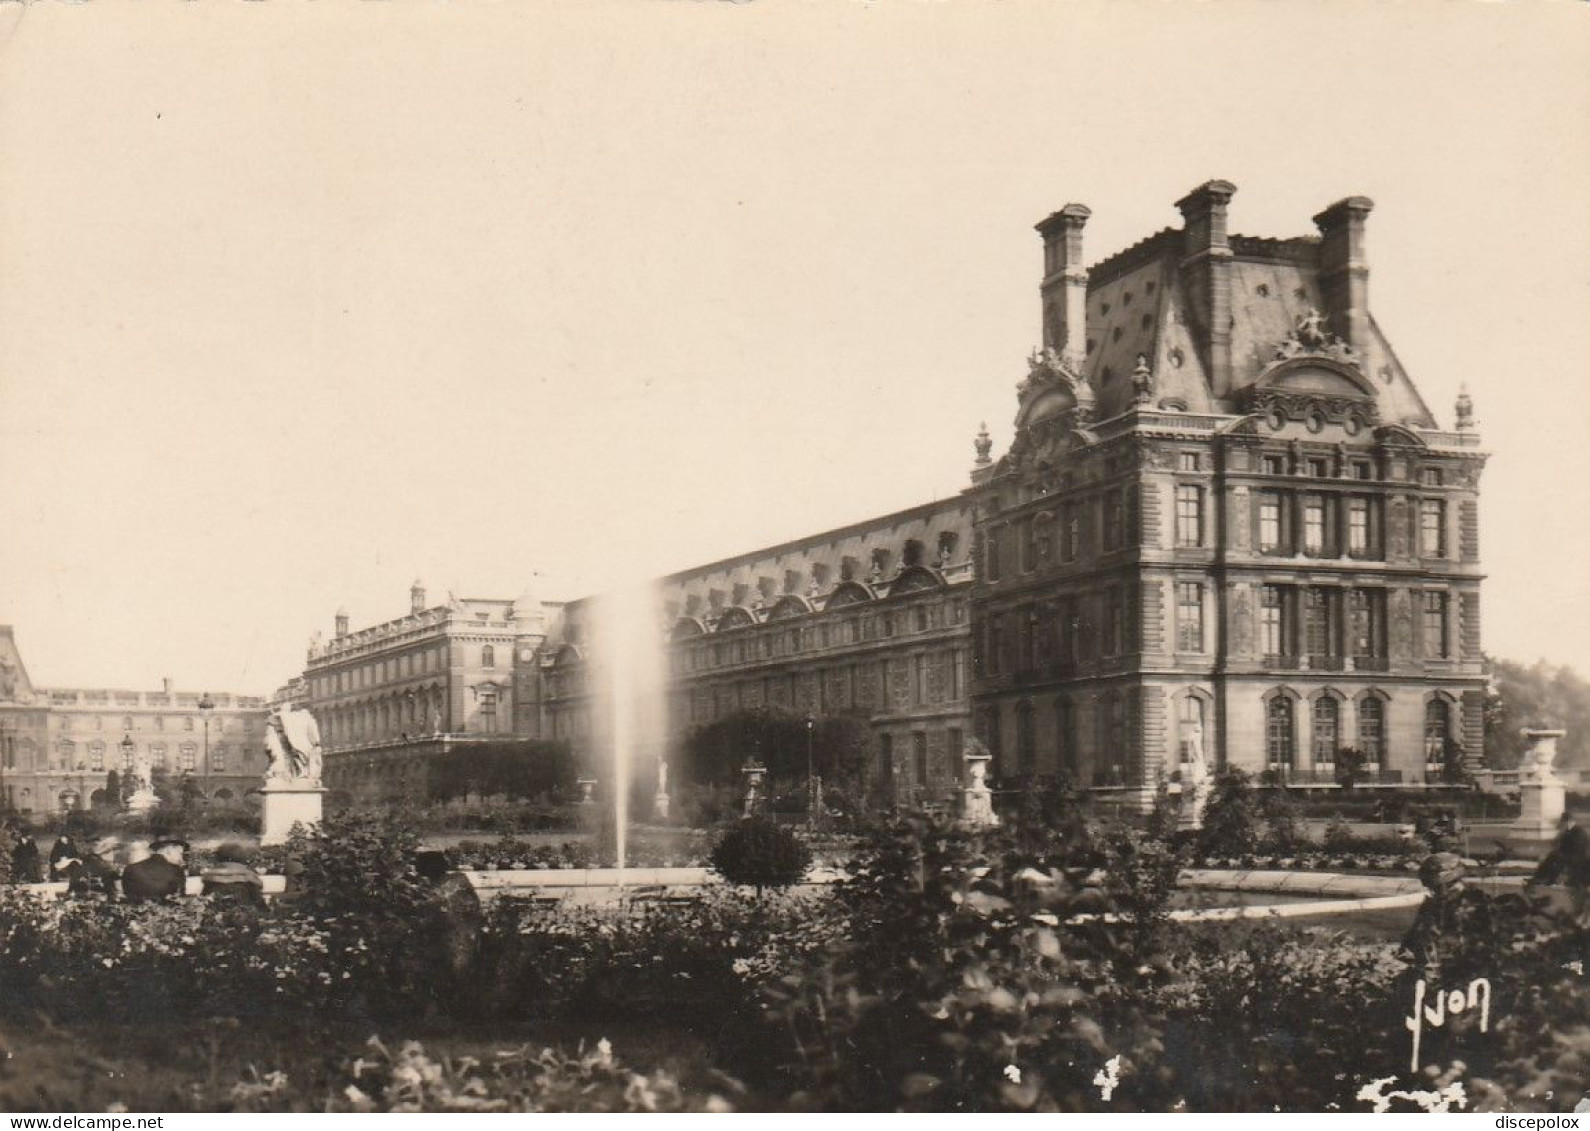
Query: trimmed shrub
pixel 762 853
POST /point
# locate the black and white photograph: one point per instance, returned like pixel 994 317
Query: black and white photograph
pixel 751 556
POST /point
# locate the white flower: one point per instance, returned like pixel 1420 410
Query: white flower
pixel 1012 1073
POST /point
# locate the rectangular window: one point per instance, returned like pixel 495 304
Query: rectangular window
pixel 1313 525
pixel 1363 470
pixel 919 662
pixel 1432 528
pixel 1189 461
pixel 1430 476
pixel 1114 521
pixel 218 758
pixel 991 554
pixel 1367 623
pixel 1319 468
pixel 1269 523
pixel 1372 729
pixel 1070 532
pixel 919 755
pixel 1272 620
pixel 957 674
pixel 1317 622
pixel 1358 527
pixel 996 644
pixel 1437 645
pixel 1189 617
pixel 1274 465
pixel 1114 623
pixel 956 744
pixel 1189 515
pixel 886 755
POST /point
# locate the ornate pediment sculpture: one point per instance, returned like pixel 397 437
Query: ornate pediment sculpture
pixel 1310 338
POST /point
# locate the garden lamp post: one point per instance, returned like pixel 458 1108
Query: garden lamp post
pixel 206 705
pixel 811 790
pixel 127 750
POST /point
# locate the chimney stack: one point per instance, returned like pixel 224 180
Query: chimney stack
pixel 417 597
pixel 1065 285
pixel 165 685
pixel 1344 269
pixel 342 622
pixel 1206 273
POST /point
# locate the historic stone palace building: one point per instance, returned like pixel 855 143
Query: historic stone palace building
pixel 1227 523
pixel 58 745
pixel 1228 526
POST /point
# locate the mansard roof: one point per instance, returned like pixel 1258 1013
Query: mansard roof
pixel 1139 303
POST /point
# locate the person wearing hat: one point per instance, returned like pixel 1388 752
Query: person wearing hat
pixel 1454 918
pixel 229 879
pixel 63 854
pixel 161 875
pixel 27 867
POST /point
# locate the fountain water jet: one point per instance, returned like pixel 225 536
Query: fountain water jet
pixel 635 694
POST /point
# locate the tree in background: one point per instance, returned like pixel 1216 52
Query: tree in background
pixel 1535 695
pixel 519 770
pixel 715 753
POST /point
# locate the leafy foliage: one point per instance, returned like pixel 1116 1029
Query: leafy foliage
pixel 1231 820
pixel 1536 695
pixel 503 769
pixel 760 852
pixel 716 752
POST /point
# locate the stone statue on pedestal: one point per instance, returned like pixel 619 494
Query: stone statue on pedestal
pixel 292 793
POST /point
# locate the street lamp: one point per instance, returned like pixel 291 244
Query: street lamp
pixel 128 747
pixel 811 787
pixel 206 705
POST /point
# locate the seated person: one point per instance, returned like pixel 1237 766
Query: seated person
pixel 1568 862
pixel 96 873
pixel 161 875
pixel 230 879
pixel 26 865
pixel 63 854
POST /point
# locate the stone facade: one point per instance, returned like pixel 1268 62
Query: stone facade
pixel 389 697
pixel 870 620
pixel 1226 519
pixel 1227 525
pixel 58 745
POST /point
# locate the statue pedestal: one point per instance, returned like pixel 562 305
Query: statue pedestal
pixel 1541 793
pixel 977 807
pixel 142 801
pixel 977 800
pixel 659 806
pixel 283 806
pixel 1194 800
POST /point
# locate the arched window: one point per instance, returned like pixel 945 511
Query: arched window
pixel 1327 729
pixel 1280 732
pixel 1437 730
pixel 488 656
pixel 1372 728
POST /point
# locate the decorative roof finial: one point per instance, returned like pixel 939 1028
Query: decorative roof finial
pixel 1142 382
pixel 983 445
pixel 1465 409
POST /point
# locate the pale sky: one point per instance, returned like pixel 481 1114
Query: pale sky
pixel 301 301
